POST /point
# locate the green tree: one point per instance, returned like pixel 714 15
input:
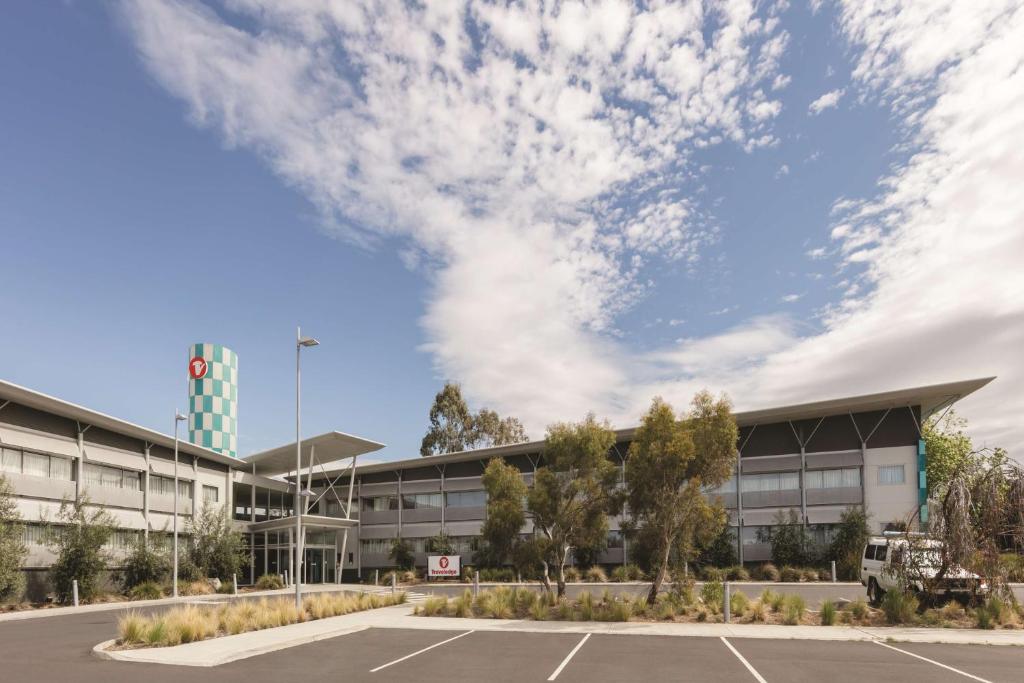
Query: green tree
pixel 505 518
pixel 401 554
pixel 848 543
pixel 948 447
pixel 721 551
pixel 573 492
pixel 148 560
pixel 441 544
pixel 789 540
pixel 12 546
pixel 77 540
pixel 216 550
pixel 669 462
pixel 454 428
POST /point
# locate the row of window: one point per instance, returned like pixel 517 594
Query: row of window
pixel 425 501
pixel 820 534
pixel 846 477
pixel 17 461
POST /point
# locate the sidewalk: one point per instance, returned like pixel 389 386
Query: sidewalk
pixel 231 648
pixel 213 597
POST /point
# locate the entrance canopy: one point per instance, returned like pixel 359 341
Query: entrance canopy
pixel 317 522
pixel 325 448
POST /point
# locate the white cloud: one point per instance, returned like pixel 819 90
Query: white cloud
pixel 783 170
pixel 534 194
pixel 827 101
pixel 791 298
pixel 817 253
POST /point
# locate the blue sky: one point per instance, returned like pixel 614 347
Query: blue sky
pixel 484 206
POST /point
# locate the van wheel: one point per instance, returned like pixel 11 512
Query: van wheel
pixel 875 593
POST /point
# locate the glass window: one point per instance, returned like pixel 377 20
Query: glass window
pixel 728 487
pixel 421 501
pixel 614 538
pixel 891 474
pixel 751 535
pixel 881 552
pixel 34 534
pixel 466 499
pixel 108 477
pixel 35 465
pixel 60 468
pixel 376 546
pixel 131 480
pixel 380 504
pixel 847 477
pixel 184 489
pixel 774 481
pixel 869 552
pixel 211 494
pixel 10 460
pixel 164 486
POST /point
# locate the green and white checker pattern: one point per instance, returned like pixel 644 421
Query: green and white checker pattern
pixel 213 400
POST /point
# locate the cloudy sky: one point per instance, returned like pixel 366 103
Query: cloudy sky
pixel 567 207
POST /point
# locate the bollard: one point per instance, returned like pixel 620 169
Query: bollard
pixel 376 577
pixel 833 571
pixel 727 601
pixel 74 591
pixel 476 583
pixel 394 582
pixel 234 584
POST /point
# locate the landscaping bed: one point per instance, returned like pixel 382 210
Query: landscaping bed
pixel 689 606
pixel 191 623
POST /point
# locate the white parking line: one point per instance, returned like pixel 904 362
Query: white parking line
pixel 419 652
pixel 932 661
pixel 568 657
pixel 742 659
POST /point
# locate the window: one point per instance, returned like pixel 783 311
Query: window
pixel 420 501
pixel 775 481
pixel 164 486
pixel 210 494
pixel 848 477
pixel 334 509
pixel 728 487
pixel 105 476
pixel 34 534
pixel 889 475
pixel 467 499
pixel 869 552
pixel 380 504
pixel 614 539
pixel 17 461
pixel 880 552
pixel 375 546
pixel 122 539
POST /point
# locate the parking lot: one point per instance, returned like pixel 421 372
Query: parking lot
pixel 58 648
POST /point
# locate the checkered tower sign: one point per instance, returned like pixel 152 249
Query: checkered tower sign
pixel 213 398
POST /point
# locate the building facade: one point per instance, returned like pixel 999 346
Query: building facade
pixel 814 459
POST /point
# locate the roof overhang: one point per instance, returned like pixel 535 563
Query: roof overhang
pixel 49 404
pixel 324 448
pixel 308 522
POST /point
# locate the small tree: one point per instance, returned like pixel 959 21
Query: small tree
pixel 848 543
pixel 77 540
pixel 216 549
pixel 441 544
pixel 573 493
pixel 669 462
pixel 147 561
pixel 721 551
pixel 12 546
pixel 789 540
pixel 506 491
pixel 401 554
pixel 948 446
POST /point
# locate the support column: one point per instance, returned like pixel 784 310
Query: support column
pixel 195 485
pixel 145 496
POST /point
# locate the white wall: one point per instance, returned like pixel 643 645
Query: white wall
pixel 890 503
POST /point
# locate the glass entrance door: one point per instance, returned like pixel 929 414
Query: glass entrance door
pixel 314 565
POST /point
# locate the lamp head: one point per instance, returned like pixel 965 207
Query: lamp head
pixel 308 341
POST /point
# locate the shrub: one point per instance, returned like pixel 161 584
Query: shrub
pixel 666 611
pixel 78 543
pixel 401 554
pixel 145 563
pixel 983 618
pixel 899 607
pixel 572 574
pixel 462 606
pixel 596 575
pixel 1012 566
pixel 682 591
pixel 634 573
pixel 619 574
pixel 196 588
pixel 434 606
pixel 12 546
pixel 757 611
pixel 768 572
pixel 738 573
pixel 828 613
pixel 790 574
pixel 148 590
pixel 563 610
pixel 992 613
pixel 858 608
pixel 809 574
pixel 709 573
pixel 848 543
pixel 712 593
pixel 738 602
pixel 539 611
pixel 620 610
pixel 131 629
pixel 824 574
pixel 793 608
pixel 789 539
pixel 269 582
pixel 586 606
pixel 216 549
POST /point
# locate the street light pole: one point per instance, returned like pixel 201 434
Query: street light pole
pixel 178 417
pixel 300 341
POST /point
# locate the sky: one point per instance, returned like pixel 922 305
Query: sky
pixel 566 207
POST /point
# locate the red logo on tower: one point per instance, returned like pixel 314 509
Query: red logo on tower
pixel 443 562
pixel 197 368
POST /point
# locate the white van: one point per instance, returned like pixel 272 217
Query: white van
pixel 881 561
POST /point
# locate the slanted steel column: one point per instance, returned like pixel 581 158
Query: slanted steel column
pixel 145 495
